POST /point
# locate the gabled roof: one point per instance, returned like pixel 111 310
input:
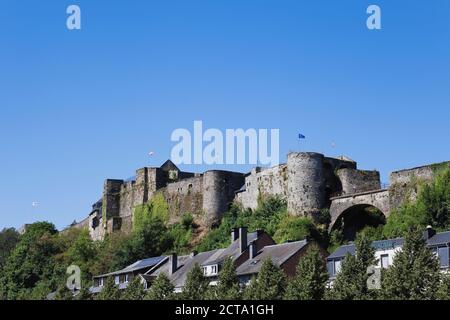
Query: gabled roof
pixel 169 165
pixel 279 254
pixel 232 251
pixel 185 264
pixel 138 265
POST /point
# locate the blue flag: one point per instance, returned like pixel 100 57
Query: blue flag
pixel 300 136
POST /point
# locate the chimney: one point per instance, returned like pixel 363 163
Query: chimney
pixel 429 233
pixel 252 250
pixel 173 263
pixel 194 253
pixel 234 234
pixel 259 233
pixel 242 239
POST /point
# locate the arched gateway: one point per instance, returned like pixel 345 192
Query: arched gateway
pixel 378 199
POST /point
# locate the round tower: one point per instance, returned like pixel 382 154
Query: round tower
pixel 306 186
pixel 219 189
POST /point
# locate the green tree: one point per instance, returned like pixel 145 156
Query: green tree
pixel 152 239
pixel 84 293
pixel 268 285
pixel 134 291
pixel 432 207
pixel 415 273
pixel 63 293
pixel 82 252
pixel 110 291
pixel 161 289
pixel 435 200
pixel 31 261
pixel 196 285
pixel 311 278
pixel 443 292
pixel 351 281
pixel 8 240
pixel 228 286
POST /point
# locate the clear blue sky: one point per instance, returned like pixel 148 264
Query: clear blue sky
pixel 77 107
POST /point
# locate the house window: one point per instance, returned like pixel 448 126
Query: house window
pixel 117 280
pixel 213 269
pixel 337 266
pixel 101 282
pixel 443 256
pixel 205 271
pixel 384 260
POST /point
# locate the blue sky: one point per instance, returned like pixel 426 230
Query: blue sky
pixel 77 107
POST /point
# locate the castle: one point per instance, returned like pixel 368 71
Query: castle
pixel 306 182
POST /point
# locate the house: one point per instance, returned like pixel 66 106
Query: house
pixel 286 256
pixel 177 268
pixel 385 251
pixel 247 250
pixel 123 277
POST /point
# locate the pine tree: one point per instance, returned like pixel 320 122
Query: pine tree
pixel 134 291
pixel 228 287
pixel 84 293
pixel 161 289
pixel 109 292
pixel 196 285
pixel 444 289
pixel 63 293
pixel 268 285
pixel 351 281
pixel 415 273
pixel 311 278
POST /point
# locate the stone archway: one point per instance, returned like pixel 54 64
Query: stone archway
pixel 340 205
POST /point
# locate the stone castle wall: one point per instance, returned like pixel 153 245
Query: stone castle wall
pixel 185 196
pixel 404 183
pixel 356 181
pixel 263 183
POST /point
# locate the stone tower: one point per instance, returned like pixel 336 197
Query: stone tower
pixel 306 185
pixel 219 189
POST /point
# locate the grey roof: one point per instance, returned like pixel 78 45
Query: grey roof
pixel 138 265
pixel 441 238
pixel 185 264
pixel 232 251
pixel 342 251
pixel 279 254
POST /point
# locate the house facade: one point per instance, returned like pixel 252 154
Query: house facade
pixel 385 251
pixel 125 276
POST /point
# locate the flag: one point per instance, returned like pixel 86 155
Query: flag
pixel 300 136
